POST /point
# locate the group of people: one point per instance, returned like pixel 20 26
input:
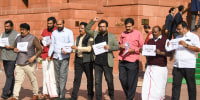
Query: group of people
pixel 56 54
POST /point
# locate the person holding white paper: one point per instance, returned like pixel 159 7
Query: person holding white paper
pixel 131 40
pixel 9 58
pixel 49 83
pixel 60 57
pixel 104 62
pixel 155 77
pixel 185 61
pixel 26 61
pixel 83 62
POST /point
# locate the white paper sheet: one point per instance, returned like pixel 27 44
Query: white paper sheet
pixel 174 44
pixel 67 47
pixel 99 48
pixel 22 46
pixel 46 40
pixel 127 46
pixel 3 42
pixel 149 50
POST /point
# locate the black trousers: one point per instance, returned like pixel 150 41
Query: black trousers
pixel 128 75
pixel 9 67
pixel 108 73
pixel 189 75
pixel 79 69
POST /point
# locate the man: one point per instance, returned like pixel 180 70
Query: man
pixel 9 58
pixel 83 62
pixel 155 77
pixel 185 62
pixel 195 10
pixel 104 62
pixel 26 60
pixel 169 22
pixel 61 38
pixel 48 86
pixel 177 19
pixel 130 43
pixel 147 30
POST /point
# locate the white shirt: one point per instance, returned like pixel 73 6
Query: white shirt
pixel 159 37
pixel 185 58
pixel 58 39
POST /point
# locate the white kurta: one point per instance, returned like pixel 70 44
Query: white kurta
pixel 154 83
pixel 49 82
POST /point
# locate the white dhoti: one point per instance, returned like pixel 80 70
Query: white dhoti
pixel 154 83
pixel 49 82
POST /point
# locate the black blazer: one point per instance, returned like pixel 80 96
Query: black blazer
pixel 177 19
pixel 168 22
pixel 195 5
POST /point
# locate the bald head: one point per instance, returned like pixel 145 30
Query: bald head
pixel 60 24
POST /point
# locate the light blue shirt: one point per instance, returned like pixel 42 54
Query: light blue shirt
pixel 58 40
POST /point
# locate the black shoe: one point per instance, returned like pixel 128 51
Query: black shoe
pixel 57 98
pixel 4 96
pixel 70 99
pixel 90 97
pixel 10 94
pixel 112 98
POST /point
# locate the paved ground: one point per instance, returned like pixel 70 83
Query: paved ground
pixel 26 91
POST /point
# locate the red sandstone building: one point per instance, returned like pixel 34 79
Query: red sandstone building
pixel 36 12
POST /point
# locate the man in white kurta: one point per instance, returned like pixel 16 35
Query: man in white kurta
pixel 155 77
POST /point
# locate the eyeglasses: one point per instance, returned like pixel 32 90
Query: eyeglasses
pixel 102 26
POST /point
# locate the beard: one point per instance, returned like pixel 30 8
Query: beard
pixel 60 28
pixel 128 30
pixel 102 32
pixel 146 32
pixel 50 28
pixel 7 31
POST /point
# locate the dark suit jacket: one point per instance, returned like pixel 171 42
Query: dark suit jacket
pixel 177 19
pixel 195 5
pixel 168 22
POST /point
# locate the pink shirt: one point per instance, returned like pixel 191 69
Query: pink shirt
pixel 135 40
